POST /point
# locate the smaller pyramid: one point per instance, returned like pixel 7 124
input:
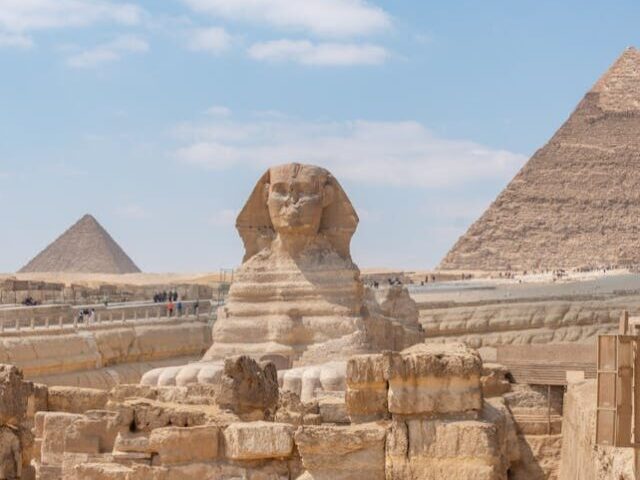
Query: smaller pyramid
pixel 86 247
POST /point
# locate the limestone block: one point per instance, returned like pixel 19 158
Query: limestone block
pixel 76 400
pixel 435 379
pixel 366 397
pixel 342 452
pixel 10 454
pixel 39 400
pixel 292 410
pixel 423 449
pixel 99 471
pixel 494 380
pixel 131 442
pixel 184 445
pixel 246 386
pixel 94 432
pixel 258 440
pixel 149 415
pixel 14 395
pixel 333 409
pixel 53 432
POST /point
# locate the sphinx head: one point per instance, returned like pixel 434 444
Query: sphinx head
pixel 295 199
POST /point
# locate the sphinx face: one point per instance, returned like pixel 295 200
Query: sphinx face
pixel 296 198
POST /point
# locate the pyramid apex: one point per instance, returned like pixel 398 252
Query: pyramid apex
pixel 618 89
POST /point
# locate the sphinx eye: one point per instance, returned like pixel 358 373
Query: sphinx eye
pixel 279 189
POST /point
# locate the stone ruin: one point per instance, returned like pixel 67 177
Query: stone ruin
pixel 416 414
pixel 310 376
pixel 298 300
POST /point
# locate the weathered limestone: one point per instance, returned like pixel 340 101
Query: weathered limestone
pixel 421 380
pixel 342 453
pixel 174 445
pixel 494 380
pixel 428 379
pixel 76 400
pixel 581 457
pixel 258 440
pixel 298 300
pixel 104 355
pixel 242 427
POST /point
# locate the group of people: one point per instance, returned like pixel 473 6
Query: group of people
pixel 30 302
pixel 161 297
pixel 87 315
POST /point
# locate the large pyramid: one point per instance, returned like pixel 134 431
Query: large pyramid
pixel 576 202
pixel 85 247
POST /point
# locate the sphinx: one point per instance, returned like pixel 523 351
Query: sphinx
pixel 297 299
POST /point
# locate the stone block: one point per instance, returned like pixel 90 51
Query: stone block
pixel 131 442
pixel 424 449
pixel 175 445
pixel 76 400
pixel 333 409
pixel 94 432
pixel 14 395
pixel 430 379
pixel 494 380
pixel 366 397
pixel 258 440
pixel 342 452
pixel 53 433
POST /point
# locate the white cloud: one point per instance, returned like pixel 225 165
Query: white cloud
pixel 213 40
pixel 318 54
pixel 223 218
pixel 218 111
pixel 108 52
pixel 322 17
pixel 379 153
pixel 132 211
pixel 28 15
pixel 16 40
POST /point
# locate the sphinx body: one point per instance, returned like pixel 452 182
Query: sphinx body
pixel 297 299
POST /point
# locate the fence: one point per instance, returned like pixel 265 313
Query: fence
pixel 61 317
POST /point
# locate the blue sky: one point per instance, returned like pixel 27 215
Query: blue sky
pixel 158 117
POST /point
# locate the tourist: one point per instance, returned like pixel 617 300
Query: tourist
pixel 170 308
pixel 179 309
pixel 195 307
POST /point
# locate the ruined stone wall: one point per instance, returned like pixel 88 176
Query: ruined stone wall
pixel 552 321
pixel 581 457
pixel 93 355
pixel 412 415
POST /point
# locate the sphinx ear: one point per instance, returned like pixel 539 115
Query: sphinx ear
pixel 328 195
pixel 265 192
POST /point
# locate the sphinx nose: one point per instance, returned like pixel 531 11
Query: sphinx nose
pixel 294 196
